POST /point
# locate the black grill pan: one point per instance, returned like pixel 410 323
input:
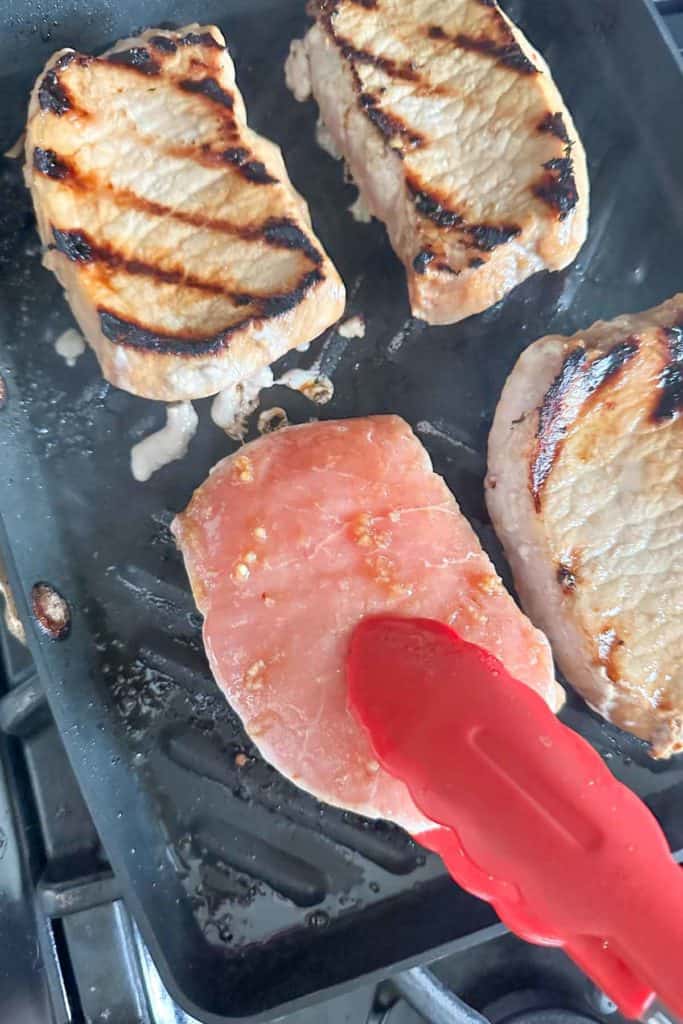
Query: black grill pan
pixel 249 893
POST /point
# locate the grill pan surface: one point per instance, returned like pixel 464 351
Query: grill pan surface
pixel 249 893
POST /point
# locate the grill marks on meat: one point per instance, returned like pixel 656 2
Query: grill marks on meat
pixel 183 232
pixel 138 58
pixel 501 45
pixel 579 381
pixel 355 507
pixel 558 186
pixel 210 88
pixel 585 490
pixel 669 403
pixel 46 161
pixel 490 161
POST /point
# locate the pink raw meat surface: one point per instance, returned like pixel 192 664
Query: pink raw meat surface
pixel 294 539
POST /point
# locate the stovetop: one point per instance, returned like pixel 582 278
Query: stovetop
pixel 70 952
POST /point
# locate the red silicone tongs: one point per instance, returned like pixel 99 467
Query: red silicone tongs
pixel 526 813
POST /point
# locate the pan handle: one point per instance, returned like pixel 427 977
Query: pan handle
pixel 436 1003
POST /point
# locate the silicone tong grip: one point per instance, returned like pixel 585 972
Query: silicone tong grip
pixel 531 818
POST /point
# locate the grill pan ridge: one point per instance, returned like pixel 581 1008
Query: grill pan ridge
pixel 252 896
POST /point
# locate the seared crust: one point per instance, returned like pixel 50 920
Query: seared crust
pixel 459 141
pixel 186 255
pixel 584 487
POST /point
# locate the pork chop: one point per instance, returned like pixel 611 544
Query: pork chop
pixel 457 138
pixel 293 540
pixel 185 253
pixel 585 489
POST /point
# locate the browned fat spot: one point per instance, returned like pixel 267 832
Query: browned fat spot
pixel 390 125
pixel 138 58
pixel 670 384
pixel 46 162
pixel 488 236
pixel 553 124
pixel 609 644
pixel 436 32
pixel 51 611
pixel 3 393
pixel 579 380
pixel 431 205
pixel 209 88
pixel 135 334
pixel 566 577
pixel 557 187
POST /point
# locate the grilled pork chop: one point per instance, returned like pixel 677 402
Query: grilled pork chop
pixel 293 540
pixel 457 138
pixel 186 254
pixel 585 489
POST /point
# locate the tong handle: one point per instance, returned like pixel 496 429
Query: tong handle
pixel 531 818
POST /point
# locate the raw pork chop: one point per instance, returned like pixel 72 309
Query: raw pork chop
pixel 186 255
pixel 293 540
pixel 457 138
pixel 585 488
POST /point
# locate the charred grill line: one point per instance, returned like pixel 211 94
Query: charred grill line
pixel 253 170
pixel 583 378
pixel 557 188
pixel 484 237
pixel 53 96
pixel 553 124
pixel 488 236
pixel 163 43
pixel 138 58
pixel 285 234
pixel 200 39
pixel 670 400
pixel 281 233
pixel 508 54
pixel 210 88
pixel 47 162
pixel 431 206
pixel 79 248
pixel 390 125
pixel 74 245
pixel 391 67
pixel 135 334
pixel 505 50
pixel 422 260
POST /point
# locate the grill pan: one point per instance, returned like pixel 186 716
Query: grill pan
pixel 250 894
